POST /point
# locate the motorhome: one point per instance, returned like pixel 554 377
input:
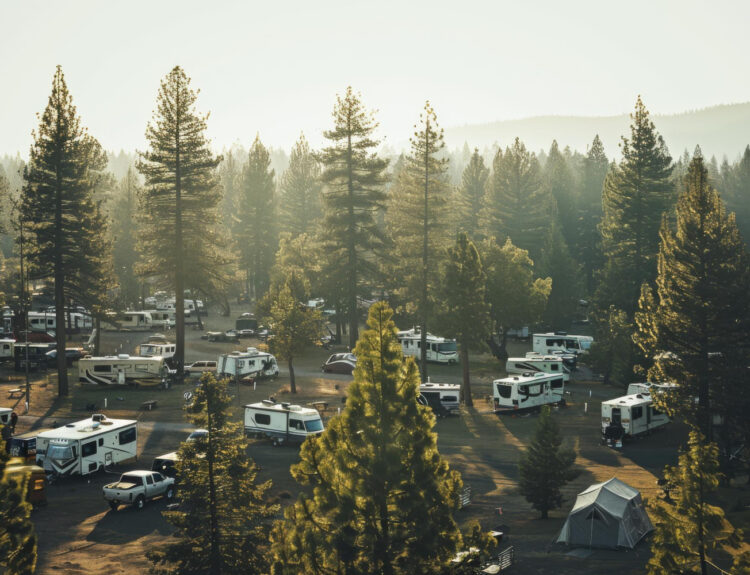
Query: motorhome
pixel 527 391
pixel 439 349
pixel 282 422
pixel 157 349
pixel 87 446
pixel 538 364
pixel 651 388
pixel 247 364
pixel 47 321
pixel 122 369
pixel 635 414
pixel 137 320
pixel 443 398
pixel 560 341
pixel 6 349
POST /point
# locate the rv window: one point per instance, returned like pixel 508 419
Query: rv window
pixel 127 436
pixel 101 441
pixel 447 347
pixel 262 419
pixel 88 449
pixel 314 425
pixel 296 424
pixel 240 363
pixel 554 367
pixel 103 368
pixel 504 390
pixel 557 383
pixel 451 398
pixel 636 413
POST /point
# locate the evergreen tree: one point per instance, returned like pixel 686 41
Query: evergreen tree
pixel 223 521
pixel 256 232
pixel 557 264
pixel 17 536
pixel 230 173
pixel 466 313
pixel 611 354
pixel 560 187
pixel 300 206
pixel 470 195
pixel 636 194
pixel 60 214
pixel 179 203
pixel 588 242
pixel 382 498
pixel 695 327
pixel 417 219
pixel 688 530
pixel 546 466
pixel 737 195
pixel 516 205
pixel 353 176
pixel 124 217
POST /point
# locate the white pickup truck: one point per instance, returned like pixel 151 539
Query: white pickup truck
pixel 137 487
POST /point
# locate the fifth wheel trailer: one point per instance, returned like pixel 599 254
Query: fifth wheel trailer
pixel 282 422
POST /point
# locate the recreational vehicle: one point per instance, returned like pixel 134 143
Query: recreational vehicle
pixel 157 349
pixel 282 422
pixel 6 349
pixel 651 388
pixel 538 364
pixel 247 364
pixel 546 343
pixel 122 370
pixel 439 349
pixel 163 318
pixel 47 320
pixel 137 320
pixel 635 414
pixel 87 446
pixel 527 391
pixel 443 398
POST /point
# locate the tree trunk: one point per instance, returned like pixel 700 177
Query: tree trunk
pixel 425 252
pixel 351 248
pixel 59 274
pixel 197 313
pixel 466 387
pixel 179 280
pixel 292 381
pixel 215 561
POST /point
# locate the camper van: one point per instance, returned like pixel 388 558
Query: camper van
pixel 6 349
pixel 546 343
pixel 122 369
pixel 537 364
pixel 443 398
pixel 247 364
pixel 87 446
pixel 527 391
pixel 634 414
pixel 282 422
pixel 439 349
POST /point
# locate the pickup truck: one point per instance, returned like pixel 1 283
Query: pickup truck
pixel 137 487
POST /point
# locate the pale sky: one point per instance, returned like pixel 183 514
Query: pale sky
pixel 276 67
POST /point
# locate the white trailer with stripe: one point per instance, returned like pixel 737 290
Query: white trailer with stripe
pixel 282 422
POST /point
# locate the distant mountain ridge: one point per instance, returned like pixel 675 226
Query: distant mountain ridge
pixel 720 131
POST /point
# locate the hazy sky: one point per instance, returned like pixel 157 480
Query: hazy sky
pixel 275 67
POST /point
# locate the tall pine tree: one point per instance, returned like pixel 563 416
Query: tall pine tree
pixel 470 195
pixel 587 248
pixel 179 203
pixel 353 176
pixel 300 205
pixel 560 185
pixel 124 217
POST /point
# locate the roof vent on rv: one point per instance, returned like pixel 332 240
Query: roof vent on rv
pixel 268 402
pixel 252 350
pixel 285 405
pixel 98 417
pixel 123 356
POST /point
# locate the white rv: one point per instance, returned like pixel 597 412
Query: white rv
pixel 443 398
pixel 282 422
pixel 87 446
pixel 137 320
pixel 6 349
pixel 651 388
pixel 634 413
pixel 528 391
pixel 250 363
pixel 47 320
pixel 537 364
pixel 439 349
pixel 546 343
pixel 122 369
pixel 157 349
pixel 163 318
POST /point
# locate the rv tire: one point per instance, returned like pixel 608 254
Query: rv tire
pixel 275 442
pixel 140 502
pixel 113 505
pixel 169 494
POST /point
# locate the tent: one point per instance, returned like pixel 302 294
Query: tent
pixel 606 515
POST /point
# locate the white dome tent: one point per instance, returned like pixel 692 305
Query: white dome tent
pixel 606 515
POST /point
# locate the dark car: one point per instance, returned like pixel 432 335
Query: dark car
pixel 166 464
pixel 340 363
pixel 220 336
pixel 71 354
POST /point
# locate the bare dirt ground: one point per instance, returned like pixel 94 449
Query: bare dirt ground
pixel 78 534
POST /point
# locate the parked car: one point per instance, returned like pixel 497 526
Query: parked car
pixel 71 354
pixel 166 464
pixel 246 333
pixel 197 434
pixel 137 487
pixel 200 367
pixel 340 363
pixel 220 336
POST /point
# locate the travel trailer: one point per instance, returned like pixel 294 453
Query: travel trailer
pixel 282 422
pixel 157 349
pixel 634 414
pixel 47 321
pixel 537 364
pixel 122 369
pixel 162 318
pixel 651 388
pixel 443 398
pixel 87 446
pixel 247 364
pixel 137 320
pixel 546 343
pixel 6 349
pixel 439 349
pixel 527 391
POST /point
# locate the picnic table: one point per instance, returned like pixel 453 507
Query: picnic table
pixel 150 404
pixel 12 392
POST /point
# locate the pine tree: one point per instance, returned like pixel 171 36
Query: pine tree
pixel 688 530
pixel 466 313
pixel 470 195
pixel 382 497
pixel 223 521
pixel 636 194
pixel 545 467
pixel 256 231
pixel 417 220
pixel 17 536
pixel 300 206
pixel 353 176
pixel 588 242
pixel 516 205
pixel 59 212
pixel 611 354
pixel 179 203
pixel 560 186
pixel 230 173
pixel 695 327
pixel 737 195
pixel 557 263
pixel 124 217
